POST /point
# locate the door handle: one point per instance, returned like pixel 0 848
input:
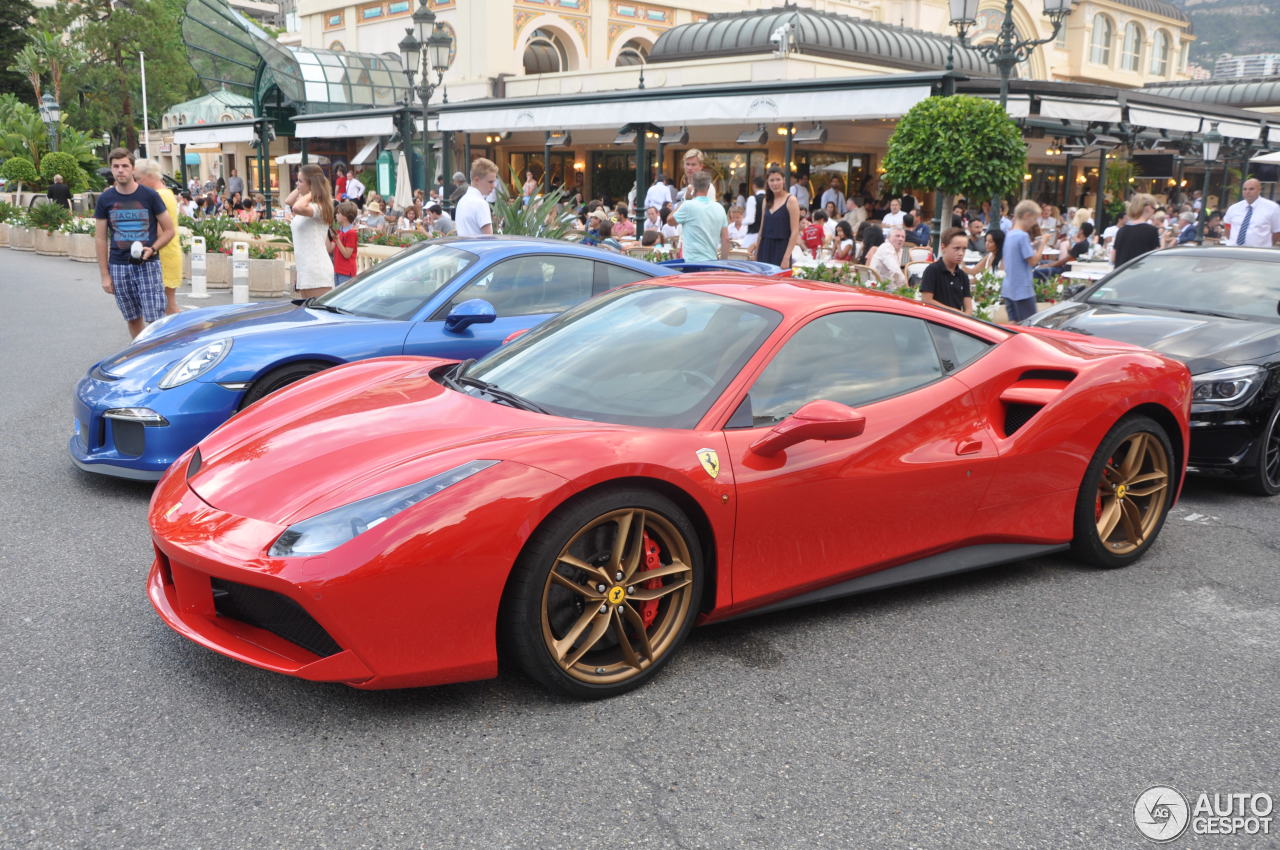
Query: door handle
pixel 968 447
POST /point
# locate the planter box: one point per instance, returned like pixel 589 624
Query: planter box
pixel 268 278
pixel 4 234
pixel 218 270
pixel 22 238
pixel 82 247
pixel 51 243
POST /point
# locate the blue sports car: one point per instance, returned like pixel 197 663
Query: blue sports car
pixel 186 374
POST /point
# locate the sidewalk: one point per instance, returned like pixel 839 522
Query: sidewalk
pixel 217 297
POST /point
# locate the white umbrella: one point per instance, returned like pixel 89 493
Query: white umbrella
pixel 1272 158
pixel 404 189
pixel 296 159
pixel 841 167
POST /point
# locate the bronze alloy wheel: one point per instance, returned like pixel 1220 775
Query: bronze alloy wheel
pixel 618 596
pixel 1132 493
pixel 1125 494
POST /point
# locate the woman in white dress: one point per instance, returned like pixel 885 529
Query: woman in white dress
pixel 312 206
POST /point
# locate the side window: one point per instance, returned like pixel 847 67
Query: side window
pixel 528 286
pixel 609 276
pixel 956 348
pixel 852 358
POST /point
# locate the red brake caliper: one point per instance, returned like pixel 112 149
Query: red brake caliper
pixel 649 610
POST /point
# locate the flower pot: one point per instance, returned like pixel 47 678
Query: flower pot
pixel 268 278
pixel 4 234
pixel 218 270
pixel 22 238
pixel 82 247
pixel 51 243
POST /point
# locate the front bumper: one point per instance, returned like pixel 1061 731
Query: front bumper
pixel 133 449
pixel 1226 443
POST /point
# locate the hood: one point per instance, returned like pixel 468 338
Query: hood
pixel 355 431
pixel 1202 342
pixel 154 355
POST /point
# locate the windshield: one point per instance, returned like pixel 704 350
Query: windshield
pixel 398 288
pixel 1196 283
pixel 656 356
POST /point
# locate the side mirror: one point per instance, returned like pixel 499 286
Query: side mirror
pixel 477 311
pixel 817 420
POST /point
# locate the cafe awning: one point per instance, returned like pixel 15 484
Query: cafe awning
pixel 228 132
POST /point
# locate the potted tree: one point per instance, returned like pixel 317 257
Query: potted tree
pixel 48 220
pixel 21 236
pixel 82 243
pixel 268 273
pixel 8 213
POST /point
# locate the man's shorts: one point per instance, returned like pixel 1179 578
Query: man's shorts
pixel 139 290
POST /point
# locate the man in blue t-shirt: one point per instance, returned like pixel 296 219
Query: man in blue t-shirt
pixel 1020 257
pixel 129 214
pixel 704 227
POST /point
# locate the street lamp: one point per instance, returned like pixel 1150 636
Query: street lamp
pixel 426 51
pixel 1212 142
pixel 1007 51
pixel 51 115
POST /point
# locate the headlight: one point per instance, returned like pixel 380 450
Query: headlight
pixel 155 327
pixel 196 363
pixel 1227 387
pixel 331 529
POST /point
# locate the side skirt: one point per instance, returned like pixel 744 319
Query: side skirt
pixel 943 564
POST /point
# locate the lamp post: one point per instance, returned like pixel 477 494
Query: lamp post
pixel 1209 152
pixel 1007 51
pixel 50 115
pixel 428 49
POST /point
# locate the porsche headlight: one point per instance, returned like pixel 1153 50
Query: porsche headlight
pixel 196 363
pixel 1227 387
pixel 331 529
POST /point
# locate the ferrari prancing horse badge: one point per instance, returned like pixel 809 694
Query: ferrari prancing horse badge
pixel 710 461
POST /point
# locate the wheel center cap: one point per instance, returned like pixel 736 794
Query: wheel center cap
pixel 617 593
pixel 1121 490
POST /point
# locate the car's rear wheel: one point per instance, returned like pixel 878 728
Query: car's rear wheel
pixel 1265 479
pixel 278 379
pixel 1125 495
pixel 604 593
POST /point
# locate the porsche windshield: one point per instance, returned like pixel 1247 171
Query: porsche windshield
pixel 397 289
pixel 1195 282
pixel 656 356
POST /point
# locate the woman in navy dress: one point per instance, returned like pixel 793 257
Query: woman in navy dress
pixel 780 231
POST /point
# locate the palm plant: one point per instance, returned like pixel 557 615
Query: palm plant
pixel 29 63
pixel 541 216
pixel 48 217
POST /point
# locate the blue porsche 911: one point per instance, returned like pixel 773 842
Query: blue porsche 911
pixel 185 375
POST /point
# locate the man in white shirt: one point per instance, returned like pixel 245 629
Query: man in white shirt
pixel 1253 222
pixel 1109 234
pixel 355 190
pixel 834 195
pixel 473 216
pixel 893 218
pixel 694 163
pixel 651 219
pixel 658 193
pixel 800 188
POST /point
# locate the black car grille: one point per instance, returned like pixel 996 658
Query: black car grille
pixel 129 437
pixel 274 613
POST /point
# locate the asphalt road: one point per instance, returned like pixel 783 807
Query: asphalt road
pixel 1022 706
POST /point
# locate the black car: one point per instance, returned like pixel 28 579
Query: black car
pixel 1217 310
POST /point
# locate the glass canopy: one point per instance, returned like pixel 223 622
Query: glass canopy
pixel 229 51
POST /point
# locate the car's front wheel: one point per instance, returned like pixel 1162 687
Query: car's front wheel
pixel 605 592
pixel 278 379
pixel 1265 479
pixel 1125 495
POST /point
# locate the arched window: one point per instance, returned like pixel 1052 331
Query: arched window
pixel 634 52
pixel 1100 43
pixel 1160 54
pixel 1131 53
pixel 545 53
pixel 337 45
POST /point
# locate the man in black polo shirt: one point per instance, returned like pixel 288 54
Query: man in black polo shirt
pixel 944 282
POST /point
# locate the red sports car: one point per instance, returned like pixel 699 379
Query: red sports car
pixel 665 454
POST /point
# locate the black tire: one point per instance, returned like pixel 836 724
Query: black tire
pixel 1264 479
pixel 1141 504
pixel 280 378
pixel 568 635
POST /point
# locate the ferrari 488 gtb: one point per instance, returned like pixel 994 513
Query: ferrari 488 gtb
pixel 675 451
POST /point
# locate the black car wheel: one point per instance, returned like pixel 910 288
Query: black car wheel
pixel 604 594
pixel 1265 479
pixel 279 379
